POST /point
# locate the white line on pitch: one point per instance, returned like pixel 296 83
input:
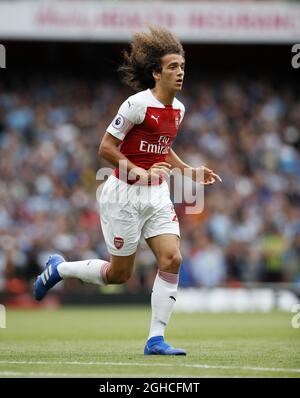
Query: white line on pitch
pixel 105 375
pixel 184 365
pixel 58 374
pixel 99 375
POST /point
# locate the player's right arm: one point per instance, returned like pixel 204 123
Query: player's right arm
pixel 109 150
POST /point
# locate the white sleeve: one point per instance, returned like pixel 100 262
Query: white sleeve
pixel 182 112
pixel 129 114
pixel 179 105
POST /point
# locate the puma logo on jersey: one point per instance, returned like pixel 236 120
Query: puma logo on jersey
pixel 155 118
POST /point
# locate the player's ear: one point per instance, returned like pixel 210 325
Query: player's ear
pixel 156 75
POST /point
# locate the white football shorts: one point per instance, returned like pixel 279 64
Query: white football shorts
pixel 129 212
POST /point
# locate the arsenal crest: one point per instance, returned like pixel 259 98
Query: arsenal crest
pixel 177 122
pixel 119 242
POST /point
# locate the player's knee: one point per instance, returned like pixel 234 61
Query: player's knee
pixel 171 262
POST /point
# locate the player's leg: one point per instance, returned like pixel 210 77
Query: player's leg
pixel 99 272
pixel 164 293
pixel 96 271
pixel 121 231
pixel 166 250
pixel 119 270
pixel 162 234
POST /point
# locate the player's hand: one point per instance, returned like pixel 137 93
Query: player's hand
pixel 139 174
pixel 209 176
pixel 159 171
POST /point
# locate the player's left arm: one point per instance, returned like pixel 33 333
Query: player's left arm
pixel 200 174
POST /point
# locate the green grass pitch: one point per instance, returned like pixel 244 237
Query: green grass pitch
pixel 106 342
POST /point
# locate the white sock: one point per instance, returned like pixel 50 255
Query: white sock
pixel 92 271
pixel 162 302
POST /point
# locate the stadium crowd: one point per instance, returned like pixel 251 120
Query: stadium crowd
pixel 248 131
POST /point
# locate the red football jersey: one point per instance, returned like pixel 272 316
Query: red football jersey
pixel 147 128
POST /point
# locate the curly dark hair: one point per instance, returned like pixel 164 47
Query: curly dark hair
pixel 145 55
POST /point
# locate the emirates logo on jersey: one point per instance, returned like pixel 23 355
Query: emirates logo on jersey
pixel 161 147
pixel 119 242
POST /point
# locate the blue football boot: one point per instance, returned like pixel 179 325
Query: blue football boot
pixel 48 278
pixel 157 346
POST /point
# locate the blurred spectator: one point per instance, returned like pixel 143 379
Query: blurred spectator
pixel 291 261
pixel 208 263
